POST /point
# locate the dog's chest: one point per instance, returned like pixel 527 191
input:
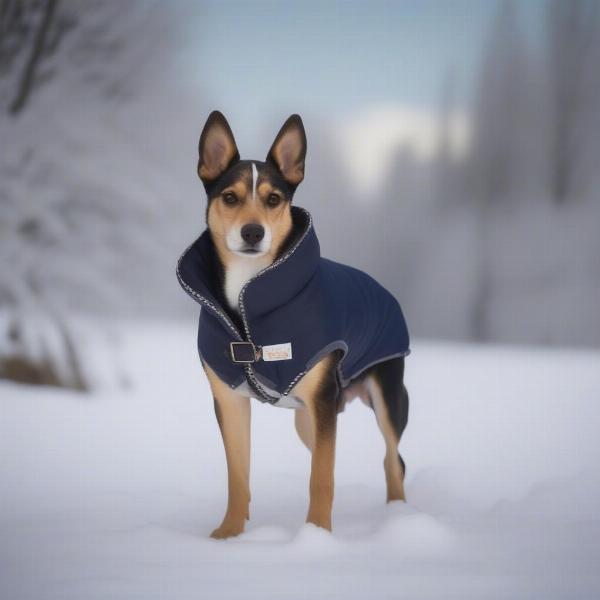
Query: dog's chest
pixel 237 275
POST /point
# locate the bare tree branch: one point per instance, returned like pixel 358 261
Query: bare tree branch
pixel 37 50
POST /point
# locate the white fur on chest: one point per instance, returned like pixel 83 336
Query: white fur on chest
pixel 238 273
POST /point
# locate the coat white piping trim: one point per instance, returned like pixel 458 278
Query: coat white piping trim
pixel 202 300
pixel 248 368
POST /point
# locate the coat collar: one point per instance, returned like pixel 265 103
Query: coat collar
pixel 272 287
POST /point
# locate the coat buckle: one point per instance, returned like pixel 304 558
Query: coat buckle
pixel 244 352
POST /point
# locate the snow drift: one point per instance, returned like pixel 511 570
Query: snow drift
pixel 114 494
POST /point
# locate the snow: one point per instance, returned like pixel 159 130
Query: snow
pixel 113 494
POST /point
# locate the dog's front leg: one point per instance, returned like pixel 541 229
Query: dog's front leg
pixel 233 415
pixel 319 391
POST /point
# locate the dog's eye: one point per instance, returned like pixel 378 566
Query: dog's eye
pixel 229 198
pixel 273 200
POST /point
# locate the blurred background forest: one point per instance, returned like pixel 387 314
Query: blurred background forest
pixel 454 154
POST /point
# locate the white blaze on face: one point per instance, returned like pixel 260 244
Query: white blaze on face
pixel 254 180
pixel 234 236
pixel 245 266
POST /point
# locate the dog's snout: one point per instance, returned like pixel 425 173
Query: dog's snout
pixel 252 233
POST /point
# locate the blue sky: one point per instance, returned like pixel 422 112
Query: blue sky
pixel 336 61
pixel 339 55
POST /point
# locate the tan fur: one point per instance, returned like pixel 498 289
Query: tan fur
pixel 233 416
pixel 393 470
pixel 222 218
pixel 316 426
pixel 322 412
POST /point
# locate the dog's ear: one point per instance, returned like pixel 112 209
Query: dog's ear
pixel 289 150
pixel 217 148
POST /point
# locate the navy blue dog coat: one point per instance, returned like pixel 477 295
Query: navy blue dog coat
pixel 311 303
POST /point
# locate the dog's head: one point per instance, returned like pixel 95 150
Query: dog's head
pixel 249 213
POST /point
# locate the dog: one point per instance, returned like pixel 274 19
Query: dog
pixel 281 324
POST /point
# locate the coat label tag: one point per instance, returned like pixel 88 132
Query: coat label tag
pixel 277 352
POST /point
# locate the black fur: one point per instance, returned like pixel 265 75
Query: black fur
pixel 328 397
pixel 390 377
pixel 242 170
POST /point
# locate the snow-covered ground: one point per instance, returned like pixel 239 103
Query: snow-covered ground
pixel 113 495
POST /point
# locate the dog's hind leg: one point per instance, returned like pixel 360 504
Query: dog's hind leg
pixel 389 398
pixel 233 416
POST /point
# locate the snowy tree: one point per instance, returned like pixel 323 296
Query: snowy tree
pixel 445 163
pixel 30 35
pixel 573 36
pixel 498 162
pixel 81 209
pixel 500 113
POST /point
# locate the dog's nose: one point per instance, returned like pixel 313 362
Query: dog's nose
pixel 252 233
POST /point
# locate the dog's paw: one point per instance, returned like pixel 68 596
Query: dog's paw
pixel 322 521
pixel 227 530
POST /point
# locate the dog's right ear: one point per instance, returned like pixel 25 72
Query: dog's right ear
pixel 288 151
pixel 217 148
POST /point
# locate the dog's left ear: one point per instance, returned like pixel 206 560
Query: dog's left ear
pixel 288 151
